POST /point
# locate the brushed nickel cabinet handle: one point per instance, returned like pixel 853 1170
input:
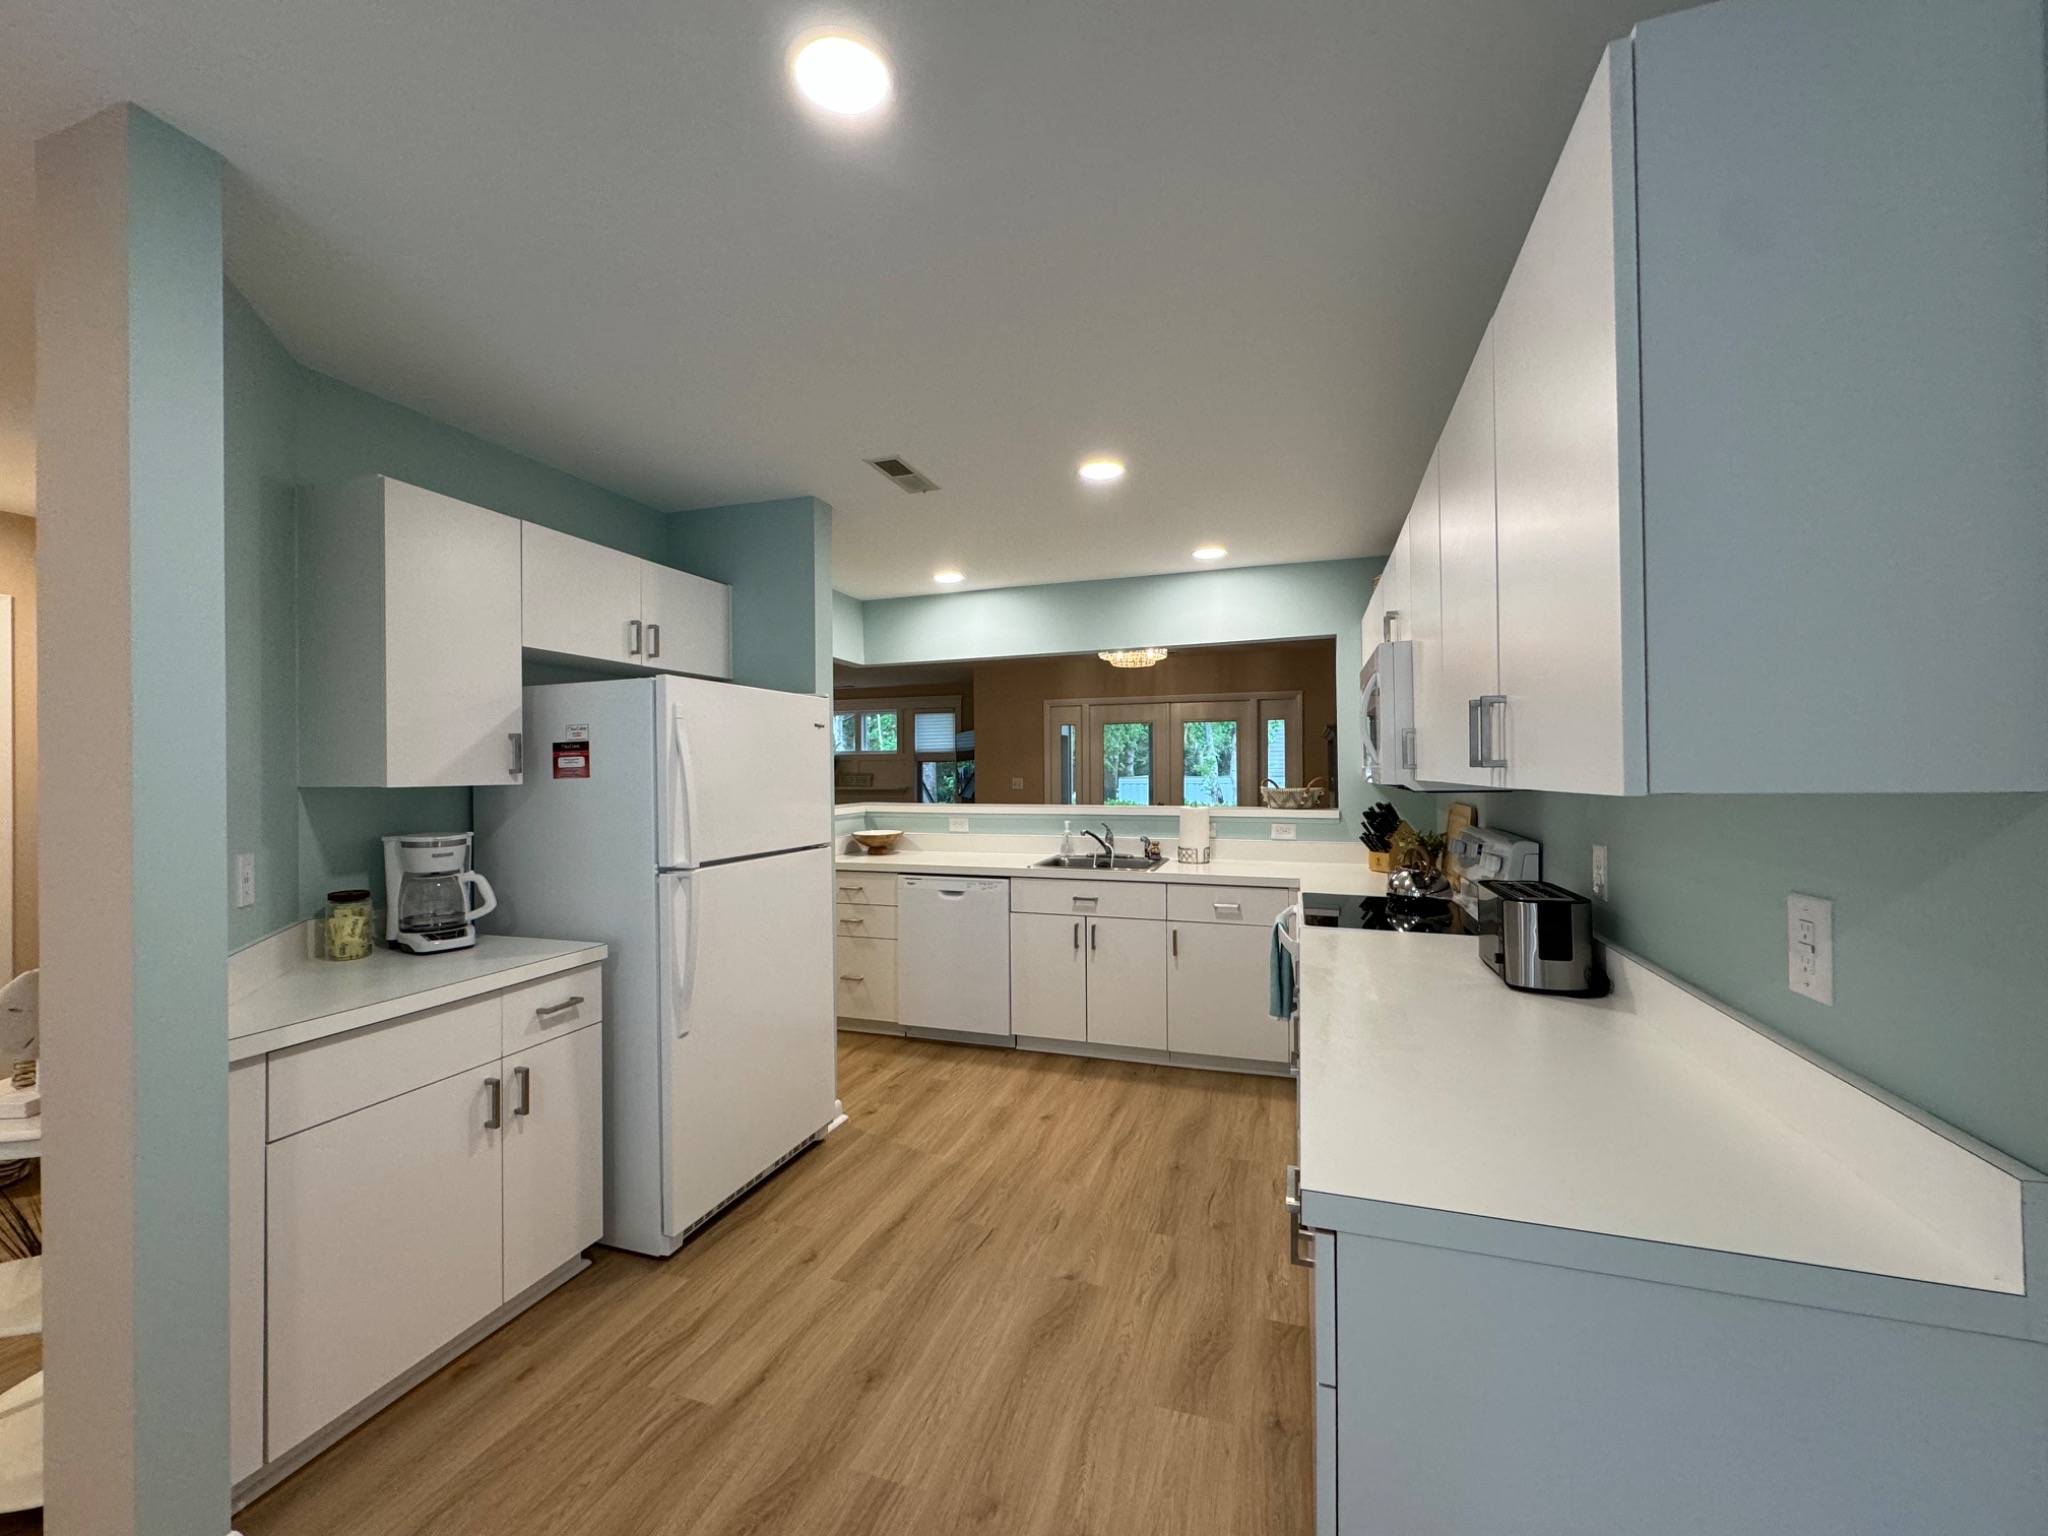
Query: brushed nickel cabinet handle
pixel 633 630
pixel 495 1120
pixel 1295 1230
pixel 564 1006
pixel 522 1079
pixel 653 641
pixel 1091 937
pixel 1176 943
pixel 518 740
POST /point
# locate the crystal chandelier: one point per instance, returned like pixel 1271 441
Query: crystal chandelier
pixel 1150 656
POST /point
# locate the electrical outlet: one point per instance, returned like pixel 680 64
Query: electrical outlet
pixel 1600 870
pixel 245 879
pixel 1016 783
pixel 1283 831
pixel 956 823
pixel 1810 947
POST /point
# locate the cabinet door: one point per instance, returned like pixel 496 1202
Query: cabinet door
pixel 1422 624
pixel 866 986
pixel 1127 982
pixel 1466 662
pixel 1217 991
pixel 1569 477
pixel 580 599
pixel 1048 976
pixel 385 1240
pixel 554 1155
pixel 451 641
pixel 689 622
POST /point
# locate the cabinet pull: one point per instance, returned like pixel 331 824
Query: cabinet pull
pixel 1091 936
pixel 1472 733
pixel 1490 707
pixel 1295 1230
pixel 1387 623
pixel 1077 938
pixel 522 1079
pixel 653 641
pixel 563 1006
pixel 1087 901
pixel 495 1120
pixel 853 978
pixel 860 920
pixel 633 637
pixel 1220 907
pixel 1175 934
pixel 518 740
pixel 1408 747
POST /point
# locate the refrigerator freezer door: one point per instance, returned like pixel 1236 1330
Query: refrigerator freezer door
pixel 744 771
pixel 748 1016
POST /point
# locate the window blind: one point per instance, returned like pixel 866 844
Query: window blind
pixel 933 734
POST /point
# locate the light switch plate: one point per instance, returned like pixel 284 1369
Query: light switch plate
pixel 1810 947
pixel 1600 870
pixel 245 879
pixel 1283 831
pixel 956 823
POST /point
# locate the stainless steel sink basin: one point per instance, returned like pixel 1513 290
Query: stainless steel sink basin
pixel 1097 861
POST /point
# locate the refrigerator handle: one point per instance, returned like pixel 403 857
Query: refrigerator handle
pixel 682 938
pixel 682 794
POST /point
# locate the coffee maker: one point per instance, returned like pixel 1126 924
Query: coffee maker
pixel 427 881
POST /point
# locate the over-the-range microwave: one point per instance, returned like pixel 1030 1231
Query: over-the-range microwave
pixel 1386 706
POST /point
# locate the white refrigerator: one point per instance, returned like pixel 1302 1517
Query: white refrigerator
pixel 688 825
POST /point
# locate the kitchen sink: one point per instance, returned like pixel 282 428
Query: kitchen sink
pixel 1097 861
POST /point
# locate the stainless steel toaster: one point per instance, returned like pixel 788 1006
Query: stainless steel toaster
pixel 1538 937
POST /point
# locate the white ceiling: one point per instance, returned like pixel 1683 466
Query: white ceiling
pixel 1247 247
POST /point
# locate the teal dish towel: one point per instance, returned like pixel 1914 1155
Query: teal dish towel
pixel 1283 996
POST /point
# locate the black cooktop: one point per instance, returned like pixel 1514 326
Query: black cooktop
pixel 1394 914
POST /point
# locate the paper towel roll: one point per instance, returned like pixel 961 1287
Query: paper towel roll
pixel 1194 834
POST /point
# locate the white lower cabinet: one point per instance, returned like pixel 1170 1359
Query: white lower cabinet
pixel 1217 991
pixel 422 1174
pixel 1127 982
pixel 1048 976
pixel 385 1241
pixel 554 1155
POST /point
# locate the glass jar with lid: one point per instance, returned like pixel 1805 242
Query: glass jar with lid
pixel 350 930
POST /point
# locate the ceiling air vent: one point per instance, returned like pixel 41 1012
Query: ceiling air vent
pixel 903 476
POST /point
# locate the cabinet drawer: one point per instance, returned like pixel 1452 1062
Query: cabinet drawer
pixel 1258 905
pixel 543 1010
pixel 1089 898
pixel 317 1082
pixel 854 921
pixel 866 890
pixel 866 984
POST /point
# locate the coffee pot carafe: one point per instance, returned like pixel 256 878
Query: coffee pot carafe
pixel 427 890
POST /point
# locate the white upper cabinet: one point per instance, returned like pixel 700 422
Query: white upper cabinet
pixel 1456 719
pixel 580 599
pixel 586 602
pixel 1753 462
pixel 688 621
pixel 1569 508
pixel 408 639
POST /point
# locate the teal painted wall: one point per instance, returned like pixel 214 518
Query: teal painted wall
pixel 178 791
pixel 289 429
pixel 777 558
pixel 1941 967
pixel 849 632
pixel 1265 602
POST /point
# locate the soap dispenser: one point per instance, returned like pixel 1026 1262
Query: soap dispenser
pixel 1067 841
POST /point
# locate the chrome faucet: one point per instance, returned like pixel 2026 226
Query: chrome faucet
pixel 1106 844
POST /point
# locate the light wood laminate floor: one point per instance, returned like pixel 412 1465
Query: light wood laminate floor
pixel 1016 1293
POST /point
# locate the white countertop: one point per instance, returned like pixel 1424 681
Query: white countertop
pixel 1425 1082
pixel 1336 877
pixel 309 999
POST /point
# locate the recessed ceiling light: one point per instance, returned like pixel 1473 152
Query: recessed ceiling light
pixel 1211 552
pixel 949 578
pixel 841 74
pixel 1102 471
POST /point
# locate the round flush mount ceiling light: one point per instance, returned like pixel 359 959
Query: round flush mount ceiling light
pixel 1102 471
pixel 1150 656
pixel 841 74
pixel 949 578
pixel 1211 552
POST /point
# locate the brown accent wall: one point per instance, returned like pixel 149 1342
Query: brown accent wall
pixel 1010 699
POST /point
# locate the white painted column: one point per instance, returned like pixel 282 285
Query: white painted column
pixel 130 637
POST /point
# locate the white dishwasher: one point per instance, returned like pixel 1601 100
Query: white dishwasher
pixel 953 956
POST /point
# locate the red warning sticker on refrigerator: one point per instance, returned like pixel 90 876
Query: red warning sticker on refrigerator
pixel 572 759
